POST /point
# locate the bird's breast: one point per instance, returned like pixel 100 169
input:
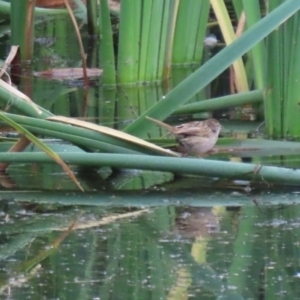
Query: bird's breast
pixel 197 145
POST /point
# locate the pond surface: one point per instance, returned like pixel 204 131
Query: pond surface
pixel 150 245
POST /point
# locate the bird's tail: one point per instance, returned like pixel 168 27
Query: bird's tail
pixel 162 124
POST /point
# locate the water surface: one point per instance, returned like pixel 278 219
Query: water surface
pixel 185 245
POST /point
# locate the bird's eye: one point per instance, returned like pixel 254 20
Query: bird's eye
pixel 214 130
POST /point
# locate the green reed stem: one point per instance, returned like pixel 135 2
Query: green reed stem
pixel 106 54
pixel 222 102
pixel 193 166
pixel 129 41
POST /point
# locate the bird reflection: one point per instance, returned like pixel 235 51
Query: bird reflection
pixel 195 222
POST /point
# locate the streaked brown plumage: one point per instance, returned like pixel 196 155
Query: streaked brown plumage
pixel 195 138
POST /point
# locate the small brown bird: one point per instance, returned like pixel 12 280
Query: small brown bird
pixel 195 138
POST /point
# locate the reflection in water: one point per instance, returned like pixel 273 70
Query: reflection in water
pixel 216 254
pixel 195 222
